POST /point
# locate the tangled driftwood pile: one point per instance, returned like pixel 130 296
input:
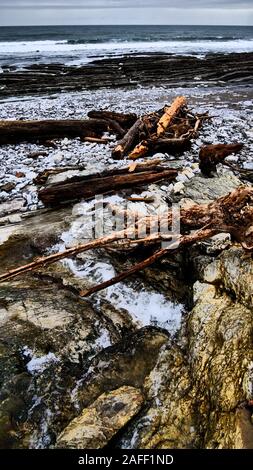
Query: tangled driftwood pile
pixel 170 129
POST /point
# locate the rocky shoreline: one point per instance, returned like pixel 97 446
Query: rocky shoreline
pixel 162 360
pixel 21 164
pixel 129 71
pixel 65 360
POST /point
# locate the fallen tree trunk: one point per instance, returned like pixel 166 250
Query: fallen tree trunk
pixel 211 155
pixel 90 186
pixel 229 214
pixel 12 132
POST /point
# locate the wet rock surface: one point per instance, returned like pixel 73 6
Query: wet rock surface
pixel 201 384
pixel 97 424
pixel 162 360
pixel 128 71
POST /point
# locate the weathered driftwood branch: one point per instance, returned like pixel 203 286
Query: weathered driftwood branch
pixel 120 277
pixel 211 155
pixel 127 142
pixel 169 114
pixel 150 165
pixel 184 241
pixel 229 214
pixel 141 199
pixel 126 120
pixel 165 144
pixel 47 260
pixel 88 187
pixel 19 131
pixel 96 140
pixel 118 123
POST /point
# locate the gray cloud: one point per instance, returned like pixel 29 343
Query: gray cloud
pixel 63 12
pixel 111 4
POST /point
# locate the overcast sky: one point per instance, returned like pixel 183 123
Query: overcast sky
pixel 52 12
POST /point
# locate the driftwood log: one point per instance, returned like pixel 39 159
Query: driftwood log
pixel 12 132
pixel 128 141
pixel 149 165
pixel 153 145
pixel 88 186
pixel 231 214
pixel 211 155
pixel 169 114
pixel 118 123
pixel 125 120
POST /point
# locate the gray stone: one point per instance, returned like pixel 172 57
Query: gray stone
pixel 11 206
pixel 98 423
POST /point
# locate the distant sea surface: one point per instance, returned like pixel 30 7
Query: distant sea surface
pixel 76 45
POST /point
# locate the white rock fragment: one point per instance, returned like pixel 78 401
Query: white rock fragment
pixel 158 156
pixel 179 187
pixel 58 157
pixel 14 219
pixel 188 173
pixel 11 206
pixel 181 177
pixel 232 159
pixel 248 165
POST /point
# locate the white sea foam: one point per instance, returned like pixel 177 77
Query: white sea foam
pixel 80 53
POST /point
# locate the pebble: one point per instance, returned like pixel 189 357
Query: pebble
pixel 182 177
pixel 159 156
pixel 248 166
pixel 232 159
pixel 14 219
pixel 7 187
pixel 58 157
pixel 188 173
pixel 178 187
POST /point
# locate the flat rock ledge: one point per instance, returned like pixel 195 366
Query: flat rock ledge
pixel 98 423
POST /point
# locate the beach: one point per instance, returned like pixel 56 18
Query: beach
pixel 169 350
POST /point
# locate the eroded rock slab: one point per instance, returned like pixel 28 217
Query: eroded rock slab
pixel 98 423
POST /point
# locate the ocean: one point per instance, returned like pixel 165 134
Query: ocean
pixel 77 45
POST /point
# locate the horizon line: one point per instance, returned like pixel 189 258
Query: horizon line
pixel 122 24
